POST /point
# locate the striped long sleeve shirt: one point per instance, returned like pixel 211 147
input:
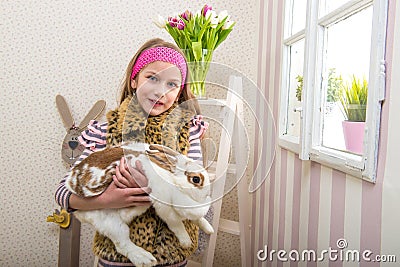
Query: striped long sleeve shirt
pixel 94 139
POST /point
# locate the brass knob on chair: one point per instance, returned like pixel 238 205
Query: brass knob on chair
pixel 63 218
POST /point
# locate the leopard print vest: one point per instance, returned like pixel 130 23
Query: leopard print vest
pixel 130 123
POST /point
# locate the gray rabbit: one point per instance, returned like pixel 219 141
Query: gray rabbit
pixel 71 148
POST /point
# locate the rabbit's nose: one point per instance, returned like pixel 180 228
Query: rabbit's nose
pixel 73 144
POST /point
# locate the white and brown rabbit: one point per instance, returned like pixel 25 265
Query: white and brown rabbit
pixel 180 190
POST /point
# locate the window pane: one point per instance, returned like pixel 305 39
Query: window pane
pixel 327 6
pixel 347 57
pixel 296 59
pixel 297 16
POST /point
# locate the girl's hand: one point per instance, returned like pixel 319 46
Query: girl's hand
pixel 129 188
pixel 128 177
pixel 115 197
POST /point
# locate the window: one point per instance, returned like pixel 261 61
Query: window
pixel 332 79
pixel 294 43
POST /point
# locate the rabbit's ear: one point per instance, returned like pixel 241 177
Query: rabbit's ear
pixel 65 112
pixel 162 159
pixel 93 113
pixel 164 149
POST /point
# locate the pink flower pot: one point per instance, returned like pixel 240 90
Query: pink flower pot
pixel 353 132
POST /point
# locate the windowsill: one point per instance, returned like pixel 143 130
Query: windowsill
pixel 290 143
pixel 348 163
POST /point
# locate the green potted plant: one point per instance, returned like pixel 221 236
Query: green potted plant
pixel 353 97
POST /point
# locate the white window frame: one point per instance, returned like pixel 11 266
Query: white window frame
pixel 308 144
pixel 286 141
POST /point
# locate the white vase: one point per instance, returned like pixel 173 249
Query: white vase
pixel 198 69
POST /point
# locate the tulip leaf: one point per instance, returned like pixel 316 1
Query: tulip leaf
pixel 197 50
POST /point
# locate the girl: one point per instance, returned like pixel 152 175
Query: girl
pixel 153 90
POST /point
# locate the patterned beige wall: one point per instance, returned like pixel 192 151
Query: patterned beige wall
pixel 78 49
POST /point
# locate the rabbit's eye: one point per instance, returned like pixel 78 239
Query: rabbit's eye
pixel 196 179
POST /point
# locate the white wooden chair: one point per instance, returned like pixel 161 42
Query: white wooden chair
pixel 232 136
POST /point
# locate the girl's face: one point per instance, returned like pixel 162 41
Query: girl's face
pixel 157 86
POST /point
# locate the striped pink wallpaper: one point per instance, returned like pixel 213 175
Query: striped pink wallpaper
pixel 304 205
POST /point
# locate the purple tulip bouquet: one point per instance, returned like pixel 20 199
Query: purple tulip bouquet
pixel 198 35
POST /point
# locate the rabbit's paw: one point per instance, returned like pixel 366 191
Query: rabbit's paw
pixel 142 258
pixel 184 240
pixel 205 226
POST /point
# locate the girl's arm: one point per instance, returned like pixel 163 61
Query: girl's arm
pixel 113 197
pixel 124 191
pixel 116 195
pixel 196 132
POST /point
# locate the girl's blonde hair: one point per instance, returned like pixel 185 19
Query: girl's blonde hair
pixel 185 94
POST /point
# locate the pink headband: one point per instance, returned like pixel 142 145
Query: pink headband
pixel 164 54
